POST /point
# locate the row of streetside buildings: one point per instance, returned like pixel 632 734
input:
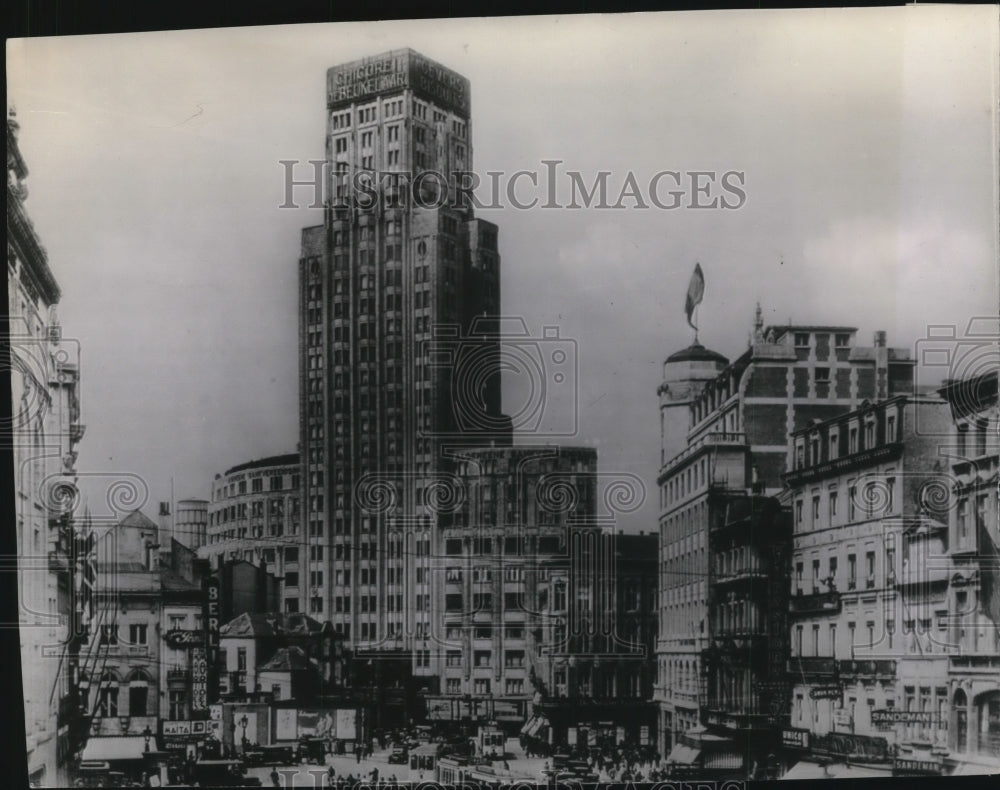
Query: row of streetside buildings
pixel 45 429
pixel 183 653
pixel 828 589
pixel 532 644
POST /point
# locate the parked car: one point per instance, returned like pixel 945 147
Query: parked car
pixel 219 773
pixel 270 755
pixel 399 757
pixel 311 751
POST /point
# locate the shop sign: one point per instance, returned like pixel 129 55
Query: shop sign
pixel 916 767
pixel 889 716
pixel 848 744
pixel 795 738
pixel 180 639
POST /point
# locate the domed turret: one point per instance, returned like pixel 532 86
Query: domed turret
pixel 685 374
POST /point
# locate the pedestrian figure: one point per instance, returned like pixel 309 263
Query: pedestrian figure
pixel 275 779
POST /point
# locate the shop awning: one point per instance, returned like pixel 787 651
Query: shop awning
pixel 806 769
pixel 971 766
pixel 121 747
pixel 533 725
pixel 682 754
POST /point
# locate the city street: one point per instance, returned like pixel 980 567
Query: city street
pixel 348 766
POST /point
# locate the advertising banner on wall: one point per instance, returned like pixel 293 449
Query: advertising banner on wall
pixel 316 724
pixel 199 679
pixel 212 619
pixel 286 724
pixel 347 729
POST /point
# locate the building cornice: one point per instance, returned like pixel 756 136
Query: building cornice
pixel 22 236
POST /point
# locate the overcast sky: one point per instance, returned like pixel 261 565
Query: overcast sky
pixel 867 139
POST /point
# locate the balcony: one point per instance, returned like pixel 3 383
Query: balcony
pixel 817 603
pixel 739 631
pixel 76 432
pixel 177 676
pixel 718 439
pixel 855 460
pixel 812 666
pixel 737 575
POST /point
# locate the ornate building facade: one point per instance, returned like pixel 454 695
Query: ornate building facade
pixel 45 432
pixel 724 430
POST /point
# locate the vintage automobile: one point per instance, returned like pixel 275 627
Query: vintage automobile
pixel 399 757
pixel 311 750
pixel 219 773
pixel 270 755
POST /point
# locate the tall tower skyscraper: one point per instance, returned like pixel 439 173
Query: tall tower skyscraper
pixel 398 269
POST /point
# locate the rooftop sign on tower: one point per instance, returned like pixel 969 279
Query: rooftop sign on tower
pixel 392 72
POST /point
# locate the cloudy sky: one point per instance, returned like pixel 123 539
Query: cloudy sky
pixel 867 139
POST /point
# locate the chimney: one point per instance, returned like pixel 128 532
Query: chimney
pixel 881 366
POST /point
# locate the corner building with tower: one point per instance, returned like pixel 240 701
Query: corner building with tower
pixel 724 449
pixel 382 281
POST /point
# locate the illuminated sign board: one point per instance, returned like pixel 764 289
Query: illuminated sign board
pixel 887 717
pixel 393 72
pixel 795 739
pixel 916 767
pixel 199 679
pixel 842 743
pixel 180 639
pixel 825 692
pixel 211 617
pixel 195 730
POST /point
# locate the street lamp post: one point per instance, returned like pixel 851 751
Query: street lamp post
pixel 243 723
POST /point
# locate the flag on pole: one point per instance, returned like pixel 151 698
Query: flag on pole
pixel 86 570
pixel 696 290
